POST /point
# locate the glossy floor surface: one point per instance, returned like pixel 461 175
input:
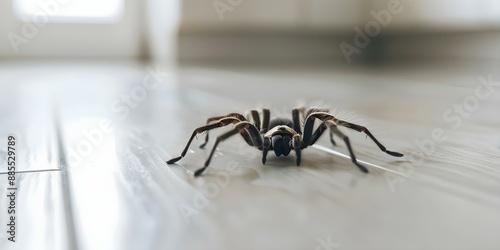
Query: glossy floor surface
pixel 93 138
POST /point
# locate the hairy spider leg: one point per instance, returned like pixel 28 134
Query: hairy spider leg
pixel 363 129
pixel 308 138
pixel 265 148
pixel 221 123
pixel 317 134
pixel 297 143
pixel 326 116
pixel 238 118
pixel 302 112
pixel 296 119
pixel 333 127
pixel 319 131
pixel 266 118
pixel 298 115
pixel 255 118
pixel 238 128
pixel 313 137
pixel 331 138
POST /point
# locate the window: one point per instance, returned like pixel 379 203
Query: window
pixel 69 11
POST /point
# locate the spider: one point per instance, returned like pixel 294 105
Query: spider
pixel 280 134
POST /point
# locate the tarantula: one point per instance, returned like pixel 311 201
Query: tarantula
pixel 280 134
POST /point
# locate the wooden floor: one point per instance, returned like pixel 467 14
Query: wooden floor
pixel 93 138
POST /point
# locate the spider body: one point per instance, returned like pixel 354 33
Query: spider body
pixel 280 134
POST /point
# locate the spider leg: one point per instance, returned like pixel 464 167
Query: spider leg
pixel 221 123
pixel 296 112
pixel 240 127
pixel 265 148
pixel 244 134
pixel 363 129
pixel 315 110
pixel 331 138
pixel 302 112
pixel 256 118
pixel 309 137
pixel 333 127
pixel 205 142
pixel 266 117
pixel 236 116
pixel 328 117
pixel 297 143
pixel 319 131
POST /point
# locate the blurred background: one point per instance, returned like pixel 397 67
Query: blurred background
pixel 100 93
pixel 238 30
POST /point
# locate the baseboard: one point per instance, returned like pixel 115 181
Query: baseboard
pixel 289 47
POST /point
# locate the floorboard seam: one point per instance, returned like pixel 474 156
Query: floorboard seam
pixel 72 242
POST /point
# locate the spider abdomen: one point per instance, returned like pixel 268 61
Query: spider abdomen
pixel 281 121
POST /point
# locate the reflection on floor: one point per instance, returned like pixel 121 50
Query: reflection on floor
pixel 106 130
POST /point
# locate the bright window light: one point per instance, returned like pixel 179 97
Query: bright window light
pixel 69 11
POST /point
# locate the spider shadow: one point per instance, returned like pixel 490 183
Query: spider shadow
pixel 310 163
pixel 281 162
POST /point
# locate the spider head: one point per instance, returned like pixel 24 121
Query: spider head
pixel 281 144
